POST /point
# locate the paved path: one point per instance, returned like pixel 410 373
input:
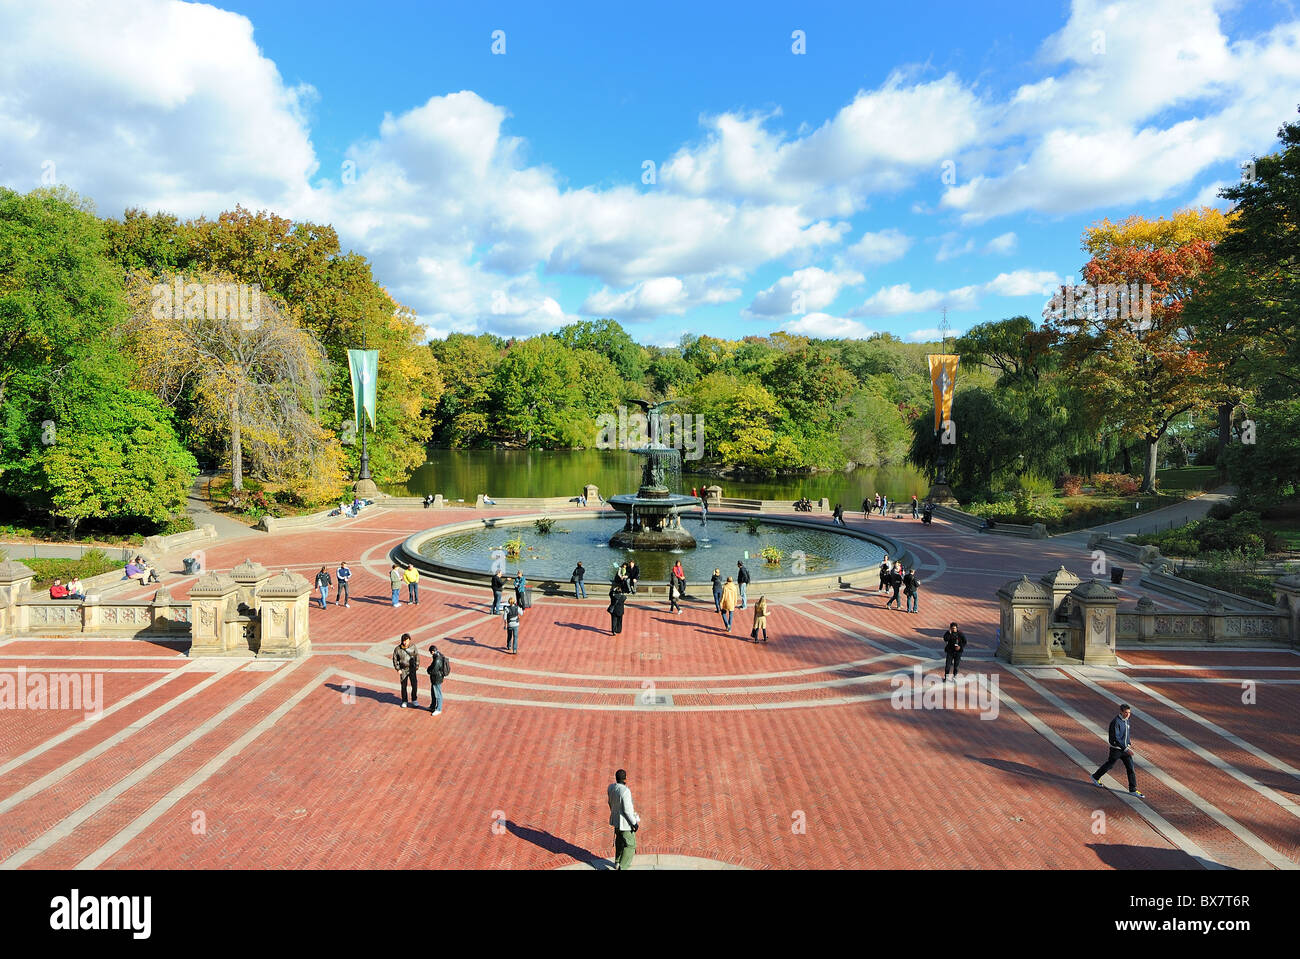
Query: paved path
pixel 786 755
pixel 198 509
pixel 1174 515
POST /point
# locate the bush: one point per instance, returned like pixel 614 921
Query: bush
pixel 1220 511
pixel 1071 484
pixel 544 524
pixel 177 524
pixel 1120 483
pixel 771 555
pixel 92 563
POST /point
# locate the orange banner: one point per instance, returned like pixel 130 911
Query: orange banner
pixel 943 380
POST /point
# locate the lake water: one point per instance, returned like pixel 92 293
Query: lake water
pixel 463 474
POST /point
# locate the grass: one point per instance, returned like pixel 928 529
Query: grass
pixel 1188 477
pixel 91 564
pixel 1287 531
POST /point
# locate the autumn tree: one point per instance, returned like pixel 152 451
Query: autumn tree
pixel 1139 363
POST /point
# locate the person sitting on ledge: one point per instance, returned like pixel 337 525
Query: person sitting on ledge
pixel 428 500
pixel 139 569
pixel 488 501
pixel 58 590
pixel 75 589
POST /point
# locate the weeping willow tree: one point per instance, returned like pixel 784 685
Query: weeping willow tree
pixel 248 372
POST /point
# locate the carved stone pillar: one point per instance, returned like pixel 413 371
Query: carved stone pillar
pixel 591 493
pixel 250 576
pixel 1059 583
pixel 1026 617
pixel 15 580
pixel 1287 593
pixel 712 496
pixel 210 598
pixel 1146 619
pixel 1096 606
pixel 1214 630
pixel 284 602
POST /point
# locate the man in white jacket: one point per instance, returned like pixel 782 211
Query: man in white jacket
pixel 624 820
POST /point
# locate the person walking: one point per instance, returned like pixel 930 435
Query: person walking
pixel 884 504
pixel 717 590
pixel 954 642
pixel 633 574
pixel 1121 750
pixel 916 507
pixel 679 574
pixel 673 605
pixel 344 576
pixel 498 587
pixel 910 586
pixel 617 600
pixel 742 580
pixel 411 576
pixel 895 584
pixel 884 574
pixel 837 515
pixel 876 508
pixel 323 583
pixel 439 669
pixel 521 590
pixel 623 817
pixel 760 620
pixel 866 507
pixel 510 616
pixel 395 581
pixel 727 605
pixel 576 577
pixel 406 660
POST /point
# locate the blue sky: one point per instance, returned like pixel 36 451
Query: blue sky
pixel 916 156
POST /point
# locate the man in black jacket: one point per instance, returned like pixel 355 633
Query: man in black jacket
pixel 895 583
pixel 633 574
pixel 954 641
pixel 717 590
pixel 498 585
pixel 579 589
pixel 910 584
pixel 617 599
pixel 1121 750
pixel 742 579
pixel 438 670
pixel 884 574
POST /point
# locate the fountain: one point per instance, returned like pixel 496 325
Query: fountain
pixel 654 513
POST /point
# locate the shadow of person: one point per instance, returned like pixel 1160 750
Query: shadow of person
pixel 1120 856
pixel 363 692
pixel 554 844
pixel 584 627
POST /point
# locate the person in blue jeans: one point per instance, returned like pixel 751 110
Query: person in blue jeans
pixel 395 581
pixel 579 589
pixel 511 618
pixel 344 577
pixel 438 669
pixel 323 583
pixel 742 580
pixel 910 584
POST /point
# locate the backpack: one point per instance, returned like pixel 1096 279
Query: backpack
pixel 439 668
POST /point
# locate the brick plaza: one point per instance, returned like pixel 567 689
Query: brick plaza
pixel 787 755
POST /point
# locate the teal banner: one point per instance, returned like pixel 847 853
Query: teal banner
pixel 364 367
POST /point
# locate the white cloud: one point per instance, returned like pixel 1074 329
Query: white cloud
pixel 823 326
pixel 901 298
pixel 1023 283
pixel 807 290
pixel 662 296
pixel 950 246
pixel 1003 244
pixel 1209 195
pixel 930 335
pixel 884 246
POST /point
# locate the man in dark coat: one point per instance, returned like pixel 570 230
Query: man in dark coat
pixel 895 583
pixel 1121 750
pixel 579 589
pixel 910 586
pixel 954 641
pixel 742 580
pixel 617 600
pixel 884 574
pixel 498 586
pixel 406 660
pixel 717 590
pixel 633 574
